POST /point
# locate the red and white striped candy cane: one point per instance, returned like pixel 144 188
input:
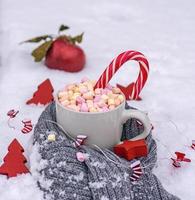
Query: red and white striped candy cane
pixel 176 163
pixel 137 170
pixel 117 63
pixel 80 140
pixel 27 126
pixel 12 113
pixel 193 144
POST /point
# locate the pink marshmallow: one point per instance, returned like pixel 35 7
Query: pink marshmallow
pixel 106 91
pixel 98 91
pixel 105 109
pixel 84 79
pixel 80 156
pixel 83 90
pixel 97 98
pixel 84 107
pixel 101 104
pixel 80 99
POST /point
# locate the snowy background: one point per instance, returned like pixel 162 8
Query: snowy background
pixel 162 30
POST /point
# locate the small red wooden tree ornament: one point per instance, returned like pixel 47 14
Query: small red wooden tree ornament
pixel 181 157
pixel 14 161
pixel 43 95
pixel 131 149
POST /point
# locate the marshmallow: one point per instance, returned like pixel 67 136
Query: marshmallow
pixel 97 91
pixel 97 98
pixel 121 98
pixel 105 109
pixel 61 94
pixel 76 94
pixel 65 102
pixel 101 104
pixel 80 156
pixel 90 103
pixel 76 89
pixel 51 137
pixel 111 107
pixel 93 82
pixel 92 109
pixel 116 90
pixel 71 86
pixel 83 89
pixel 84 107
pixel 73 102
pixel 88 96
pixel 84 79
pixel 117 102
pixel 80 99
pixel 104 97
pixel 112 96
pixel 63 98
pixel 111 102
pixel 70 93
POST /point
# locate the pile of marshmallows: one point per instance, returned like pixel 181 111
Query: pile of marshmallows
pixel 82 97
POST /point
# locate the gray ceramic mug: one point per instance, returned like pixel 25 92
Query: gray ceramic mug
pixel 102 128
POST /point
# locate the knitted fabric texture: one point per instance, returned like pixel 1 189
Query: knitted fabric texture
pixel 62 177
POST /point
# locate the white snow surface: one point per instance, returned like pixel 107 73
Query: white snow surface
pixel 162 30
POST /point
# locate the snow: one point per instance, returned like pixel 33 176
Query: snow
pixel 162 30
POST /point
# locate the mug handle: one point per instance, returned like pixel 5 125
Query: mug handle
pixel 142 117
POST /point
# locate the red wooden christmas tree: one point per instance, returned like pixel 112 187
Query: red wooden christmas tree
pixel 43 95
pixel 14 161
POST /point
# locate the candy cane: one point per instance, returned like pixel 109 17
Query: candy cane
pixel 12 113
pixel 137 171
pixel 27 126
pixel 80 140
pixel 193 144
pixel 117 63
pixel 176 163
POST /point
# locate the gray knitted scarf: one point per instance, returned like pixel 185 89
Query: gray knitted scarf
pixel 62 177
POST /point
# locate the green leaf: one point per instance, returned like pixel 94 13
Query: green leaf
pixel 63 28
pixel 77 38
pixel 40 52
pixel 38 39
